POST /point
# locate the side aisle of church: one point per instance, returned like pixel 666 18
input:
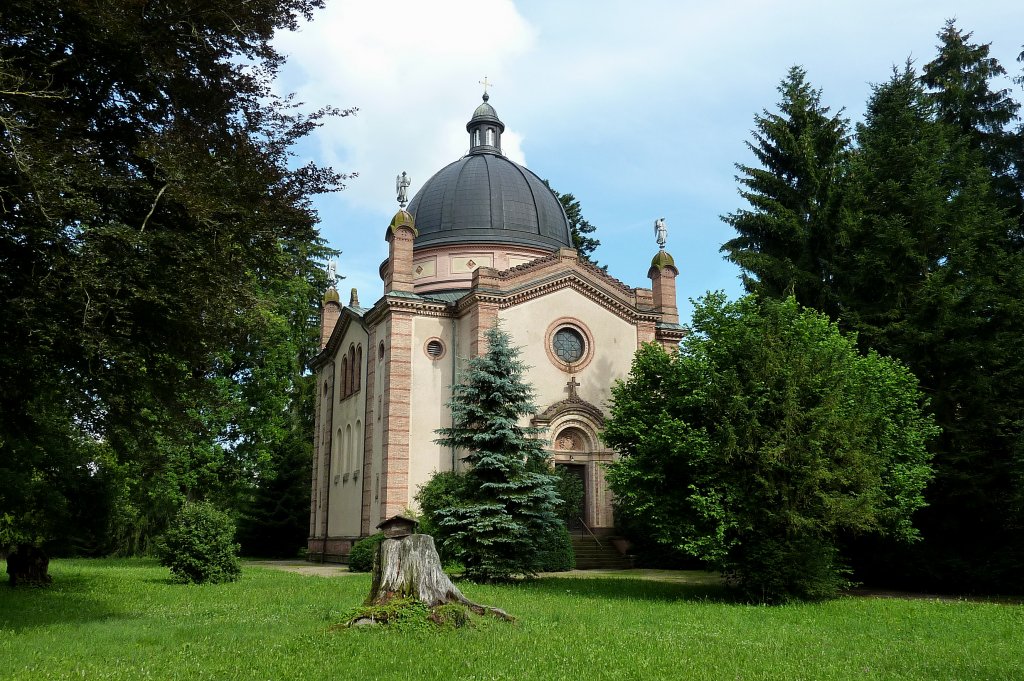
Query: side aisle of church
pixel 483 240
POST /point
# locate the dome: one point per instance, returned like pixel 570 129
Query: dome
pixel 486 198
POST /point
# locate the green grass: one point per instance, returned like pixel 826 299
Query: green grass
pixel 124 619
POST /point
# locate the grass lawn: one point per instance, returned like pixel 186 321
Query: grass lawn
pixel 123 619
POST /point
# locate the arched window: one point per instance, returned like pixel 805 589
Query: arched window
pixel 348 448
pixel 490 136
pixel 351 369
pixel 358 446
pixel 343 393
pixel 337 455
pixel 359 367
pixel 476 138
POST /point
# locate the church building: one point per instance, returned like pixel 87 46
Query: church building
pixel 483 240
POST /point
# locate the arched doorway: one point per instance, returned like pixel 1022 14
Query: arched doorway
pixel 570 458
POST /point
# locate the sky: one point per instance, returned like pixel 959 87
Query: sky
pixel 640 109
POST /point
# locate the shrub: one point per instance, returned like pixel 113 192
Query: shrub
pixel 444 490
pixel 360 558
pixel 199 546
pixel 555 547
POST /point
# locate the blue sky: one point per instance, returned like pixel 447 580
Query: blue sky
pixel 640 109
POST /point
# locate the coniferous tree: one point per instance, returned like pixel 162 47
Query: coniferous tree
pixel 962 84
pixel 507 505
pixel 935 282
pixel 579 227
pixel 799 213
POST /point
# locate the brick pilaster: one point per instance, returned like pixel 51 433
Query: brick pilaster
pixel 397 394
pixel 368 421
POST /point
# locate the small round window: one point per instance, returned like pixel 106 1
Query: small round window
pixel 568 345
pixel 435 348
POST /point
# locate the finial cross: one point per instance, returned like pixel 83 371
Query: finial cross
pixel 571 385
pixel 486 83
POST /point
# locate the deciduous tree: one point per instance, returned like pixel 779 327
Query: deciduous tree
pixel 762 441
pixel 152 223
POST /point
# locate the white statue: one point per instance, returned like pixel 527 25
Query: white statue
pixel 402 183
pixel 332 273
pixel 660 232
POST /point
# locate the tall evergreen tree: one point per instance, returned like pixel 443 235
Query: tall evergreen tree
pixel 799 213
pixel 508 506
pixel 579 227
pixel 963 84
pixel 935 282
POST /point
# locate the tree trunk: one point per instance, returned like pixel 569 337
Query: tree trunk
pixel 28 565
pixel 409 567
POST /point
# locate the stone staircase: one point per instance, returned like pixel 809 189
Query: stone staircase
pixel 591 555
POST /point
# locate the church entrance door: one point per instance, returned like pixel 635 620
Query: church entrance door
pixel 579 472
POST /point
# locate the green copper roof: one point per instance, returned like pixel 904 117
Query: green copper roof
pixel 403 218
pixel 662 259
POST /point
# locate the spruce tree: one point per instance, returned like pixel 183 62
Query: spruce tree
pixel 508 505
pixel 935 282
pixel 799 210
pixel 962 83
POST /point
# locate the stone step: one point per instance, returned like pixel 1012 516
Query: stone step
pixel 591 555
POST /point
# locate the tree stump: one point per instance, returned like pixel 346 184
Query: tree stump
pixel 28 565
pixel 409 567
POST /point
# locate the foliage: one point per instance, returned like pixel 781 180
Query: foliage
pixel 494 531
pixel 579 227
pixel 926 267
pixel 799 211
pixel 199 546
pixel 935 282
pixel 360 558
pixel 570 490
pixel 555 549
pixel 158 258
pixel 445 489
pixel 761 441
pixel 960 84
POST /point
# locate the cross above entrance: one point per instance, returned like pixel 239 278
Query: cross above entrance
pixel 571 386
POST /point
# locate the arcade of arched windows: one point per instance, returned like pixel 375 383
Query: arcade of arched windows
pixel 351 376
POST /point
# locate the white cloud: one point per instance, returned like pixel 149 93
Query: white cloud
pixel 412 68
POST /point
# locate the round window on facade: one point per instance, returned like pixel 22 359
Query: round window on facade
pixel 570 345
pixel 434 349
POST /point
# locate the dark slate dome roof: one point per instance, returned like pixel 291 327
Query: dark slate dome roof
pixel 486 198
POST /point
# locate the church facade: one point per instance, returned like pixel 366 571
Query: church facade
pixel 483 241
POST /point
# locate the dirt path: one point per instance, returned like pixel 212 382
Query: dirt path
pixel 303 567
pixel 676 576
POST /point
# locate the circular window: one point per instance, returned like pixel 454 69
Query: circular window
pixel 568 345
pixel 434 348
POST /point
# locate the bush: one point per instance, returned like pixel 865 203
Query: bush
pixel 360 558
pixel 555 548
pixel 200 546
pixel 443 490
